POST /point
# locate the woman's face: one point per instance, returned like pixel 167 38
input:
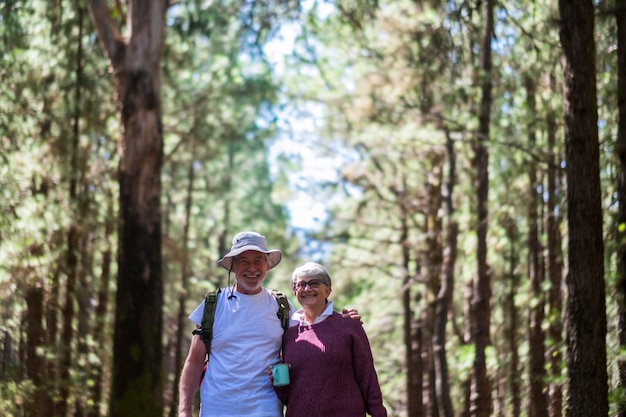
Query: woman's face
pixel 311 292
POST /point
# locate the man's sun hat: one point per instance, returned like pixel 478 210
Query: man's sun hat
pixel 245 241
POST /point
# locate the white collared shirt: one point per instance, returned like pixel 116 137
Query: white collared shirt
pixel 299 315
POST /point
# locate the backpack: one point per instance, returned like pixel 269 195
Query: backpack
pixel 210 301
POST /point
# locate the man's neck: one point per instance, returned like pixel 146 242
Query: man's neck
pixel 246 291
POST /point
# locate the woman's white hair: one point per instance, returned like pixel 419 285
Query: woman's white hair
pixel 311 270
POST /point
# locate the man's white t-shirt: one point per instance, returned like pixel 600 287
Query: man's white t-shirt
pixel 247 338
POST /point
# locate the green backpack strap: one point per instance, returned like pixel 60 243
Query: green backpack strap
pixel 208 316
pixel 206 327
pixel 283 308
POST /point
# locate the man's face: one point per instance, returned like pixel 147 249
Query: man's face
pixel 250 268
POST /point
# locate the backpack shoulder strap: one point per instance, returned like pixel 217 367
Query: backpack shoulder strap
pixel 206 326
pixel 283 308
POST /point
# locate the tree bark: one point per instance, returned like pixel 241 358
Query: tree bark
pixel 537 401
pixel 52 342
pixel 442 385
pixel 101 334
pixel 587 395
pixel 67 335
pixel 7 355
pixel 137 347
pixel 481 403
pixel 182 312
pixel 79 200
pixel 412 349
pixel 444 297
pixel 620 18
pixel 433 274
pixel 513 315
pixel 84 292
pixel 34 342
pixel 555 269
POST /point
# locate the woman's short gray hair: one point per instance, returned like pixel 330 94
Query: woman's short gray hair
pixel 311 270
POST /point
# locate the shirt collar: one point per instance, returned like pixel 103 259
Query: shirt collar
pixel 299 315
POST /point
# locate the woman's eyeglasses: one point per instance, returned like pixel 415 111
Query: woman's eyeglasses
pixel 301 285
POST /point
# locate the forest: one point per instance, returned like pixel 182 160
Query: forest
pixel 459 167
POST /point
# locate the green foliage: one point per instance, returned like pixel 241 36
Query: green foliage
pixel 218 120
pixel 15 396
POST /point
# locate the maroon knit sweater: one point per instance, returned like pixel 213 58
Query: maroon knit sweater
pixel 332 371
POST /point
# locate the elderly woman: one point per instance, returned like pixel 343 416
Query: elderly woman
pixel 331 365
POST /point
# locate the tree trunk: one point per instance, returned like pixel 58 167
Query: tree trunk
pixel 555 269
pixel 79 199
pixel 52 339
pixel 442 386
pixel 34 343
pixel 432 267
pixel 587 395
pixel 137 347
pixel 620 17
pixel 7 355
pixel 537 401
pixel 513 323
pixel 182 311
pixel 481 292
pixel 84 293
pixel 412 350
pixel 444 297
pixel 67 335
pixel 101 324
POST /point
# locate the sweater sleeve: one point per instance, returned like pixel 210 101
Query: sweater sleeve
pixel 363 362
